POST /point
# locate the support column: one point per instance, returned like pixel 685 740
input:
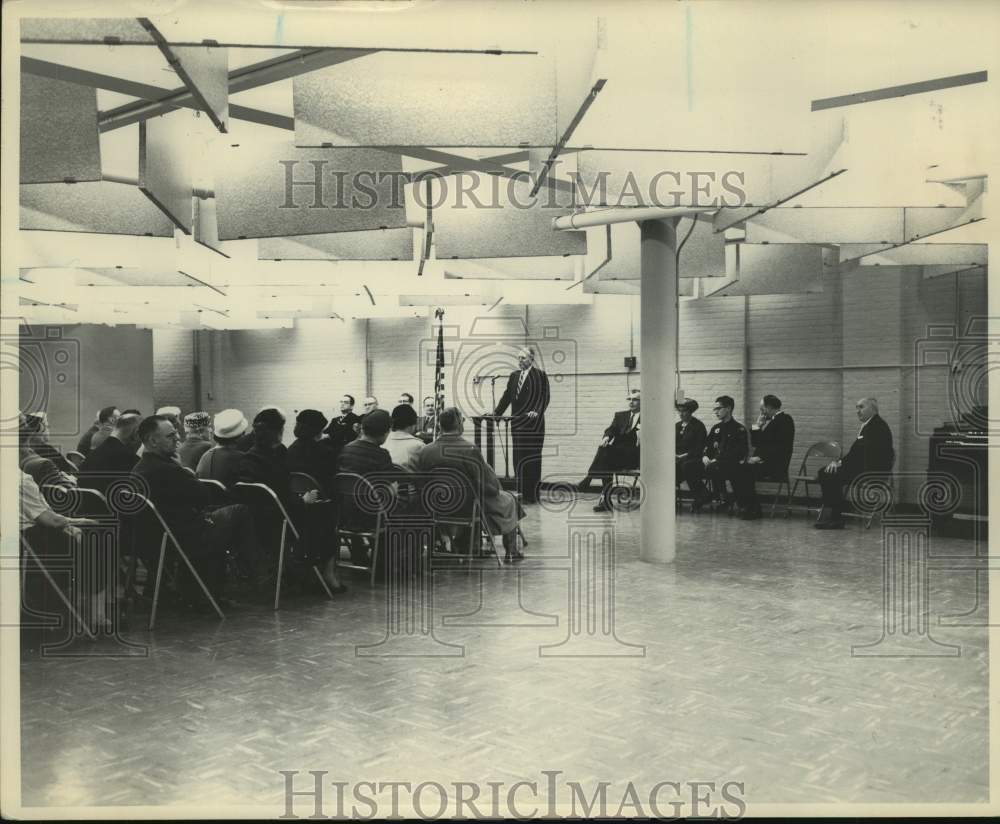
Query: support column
pixel 658 316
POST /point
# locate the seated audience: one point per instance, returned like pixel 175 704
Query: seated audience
pixel 772 439
pixel 402 445
pixel 501 509
pixel 341 430
pixel 871 452
pixel 222 462
pixel 197 439
pixel 425 430
pixel 405 399
pixel 103 421
pixel 56 537
pixel 725 449
pixel 311 452
pixel 619 449
pixel 267 463
pixel 115 458
pixel 35 428
pixel 184 503
pixel 690 437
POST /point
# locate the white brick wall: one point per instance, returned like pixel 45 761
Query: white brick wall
pixel 818 352
pixel 173 363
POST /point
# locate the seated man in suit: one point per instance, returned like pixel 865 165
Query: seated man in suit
pixel 451 451
pixel 184 503
pixel 105 421
pixel 772 438
pixel 726 448
pixel 619 449
pixel 689 438
pixel 115 458
pixel 425 429
pixel 871 452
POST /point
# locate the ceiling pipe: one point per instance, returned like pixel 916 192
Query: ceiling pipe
pixel 625 214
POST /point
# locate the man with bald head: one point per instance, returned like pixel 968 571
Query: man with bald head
pixel 871 452
pixel 527 395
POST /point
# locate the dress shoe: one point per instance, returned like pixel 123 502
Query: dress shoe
pixel 829 525
pixel 602 507
pixel 584 485
pixel 513 555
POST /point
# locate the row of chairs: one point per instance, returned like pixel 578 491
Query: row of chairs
pixel 369 529
pixel 817 456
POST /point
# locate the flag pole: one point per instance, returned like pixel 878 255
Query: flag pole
pixel 438 376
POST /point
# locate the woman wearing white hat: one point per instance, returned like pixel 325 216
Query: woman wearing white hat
pixel 222 462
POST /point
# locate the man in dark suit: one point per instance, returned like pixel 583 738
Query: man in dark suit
pixel 114 458
pixel 871 452
pixel 527 395
pixel 772 438
pixel 689 436
pixel 619 449
pixel 184 503
pixel 726 447
pixel 341 430
pixel 427 423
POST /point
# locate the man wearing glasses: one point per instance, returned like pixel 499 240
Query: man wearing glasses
pixel 725 450
pixel 619 449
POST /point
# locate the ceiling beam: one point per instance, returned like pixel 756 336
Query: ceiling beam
pixel 899 91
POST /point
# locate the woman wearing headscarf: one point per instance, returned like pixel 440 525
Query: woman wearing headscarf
pixel 312 453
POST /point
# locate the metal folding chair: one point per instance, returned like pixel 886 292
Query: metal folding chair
pixel 169 539
pixel 287 526
pixel 217 489
pixel 357 524
pixel 75 458
pixel 821 449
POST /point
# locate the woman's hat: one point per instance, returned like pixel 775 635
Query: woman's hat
pixel 230 423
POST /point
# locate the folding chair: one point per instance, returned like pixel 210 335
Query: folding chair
pixel 75 458
pixel 355 523
pixel 626 496
pixel 219 494
pixel 286 525
pixel 302 482
pixel 465 511
pixel 828 450
pixel 168 538
pixel 27 551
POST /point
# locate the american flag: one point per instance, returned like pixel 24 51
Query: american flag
pixel 439 374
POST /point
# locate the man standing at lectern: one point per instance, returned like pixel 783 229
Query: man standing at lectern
pixel 527 395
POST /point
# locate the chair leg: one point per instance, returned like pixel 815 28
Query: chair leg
pixel 777 495
pixel 281 565
pixel 322 581
pixel 156 585
pixel 374 558
pixel 201 583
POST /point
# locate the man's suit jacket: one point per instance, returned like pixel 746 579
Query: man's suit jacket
pixel 112 458
pixel 341 430
pixel 690 439
pixel 773 443
pixel 178 495
pixel 533 397
pixel 727 443
pixel 451 451
pixel 872 451
pixel 618 433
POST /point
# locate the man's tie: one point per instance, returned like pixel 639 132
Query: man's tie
pixel 632 423
pixel 520 382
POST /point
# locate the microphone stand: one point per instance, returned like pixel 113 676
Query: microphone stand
pixel 504 439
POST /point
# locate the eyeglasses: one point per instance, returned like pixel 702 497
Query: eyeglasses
pixel 717 408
